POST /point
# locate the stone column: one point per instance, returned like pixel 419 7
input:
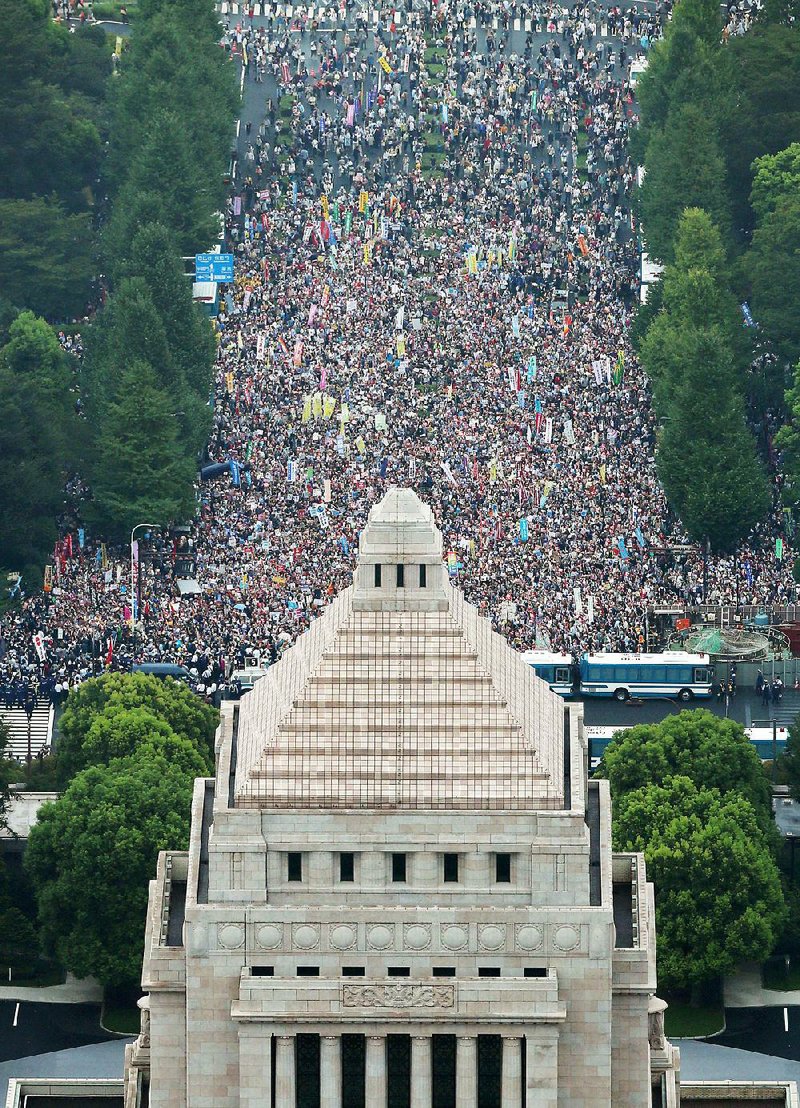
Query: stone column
pixel 375 1080
pixel 467 1071
pixel 421 1071
pixel 285 1096
pixel 330 1071
pixel 511 1094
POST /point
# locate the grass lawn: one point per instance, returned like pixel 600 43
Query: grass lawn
pixel 684 1021
pixel 120 1012
pixel 774 975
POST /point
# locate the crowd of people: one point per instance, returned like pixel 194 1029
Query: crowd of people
pixel 436 272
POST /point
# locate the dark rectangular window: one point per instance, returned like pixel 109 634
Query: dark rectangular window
pixel 398 867
pixel 262 971
pixel 377 577
pixel 353 971
pixel 535 971
pixel 488 971
pixel 308 971
pixel 451 867
pixel 444 971
pixel 401 576
pixel 398 971
pixel 347 867
pixel 423 576
pixel 294 866
pixel 502 867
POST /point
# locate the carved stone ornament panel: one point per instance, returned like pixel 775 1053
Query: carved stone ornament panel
pixel 454 936
pixel 380 936
pixel 231 936
pixel 416 936
pixel 269 936
pixel 398 996
pixel 342 936
pixel 566 938
pixel 305 936
pixel 491 936
pixel 528 936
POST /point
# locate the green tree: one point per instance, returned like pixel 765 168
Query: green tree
pixel 706 456
pixel 46 257
pixel 685 66
pixel 773 266
pixel 718 891
pixel 93 852
pixel 101 717
pixel 140 469
pixel 685 169
pixel 714 753
pixel 764 116
pixel 37 442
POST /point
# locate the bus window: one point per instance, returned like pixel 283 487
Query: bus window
pixel 563 674
pixel 701 676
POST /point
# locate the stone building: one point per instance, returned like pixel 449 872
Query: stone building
pixel 400 889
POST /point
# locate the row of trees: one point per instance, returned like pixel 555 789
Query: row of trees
pixel 167 114
pixel 149 362
pixel 691 794
pixel 130 749
pixel 717 205
pixel 53 94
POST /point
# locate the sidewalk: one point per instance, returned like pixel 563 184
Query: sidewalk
pixel 744 990
pixel 73 991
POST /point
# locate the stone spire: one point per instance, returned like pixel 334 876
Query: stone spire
pixel 400 558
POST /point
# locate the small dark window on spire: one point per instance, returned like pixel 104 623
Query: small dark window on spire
pixel 401 576
pixel 423 576
pixel 377 576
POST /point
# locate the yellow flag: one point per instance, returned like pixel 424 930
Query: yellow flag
pixel 229 382
pixel 328 406
pixel 316 404
pixel 603 474
pixel 344 413
pixel 367 253
pixel 324 205
pixel 492 471
pixel 401 346
pixel 306 409
pixel 361 446
pixel 382 62
pixel 363 200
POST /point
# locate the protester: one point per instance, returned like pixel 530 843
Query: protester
pixel 436 273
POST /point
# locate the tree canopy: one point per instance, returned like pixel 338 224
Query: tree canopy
pixel 93 852
pixel 714 753
pixel 694 351
pixel 108 716
pixel 718 891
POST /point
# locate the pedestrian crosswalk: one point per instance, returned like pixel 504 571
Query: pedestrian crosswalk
pixel 328 16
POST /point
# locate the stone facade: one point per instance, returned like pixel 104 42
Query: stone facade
pixel 400 889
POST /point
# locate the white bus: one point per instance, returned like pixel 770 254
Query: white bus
pixel 674 673
pixel 555 669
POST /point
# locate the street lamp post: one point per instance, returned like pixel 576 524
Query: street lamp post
pixel 134 593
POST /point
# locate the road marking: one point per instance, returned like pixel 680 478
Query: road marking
pixel 786 1019
pixel 16 1015
pixel 241 83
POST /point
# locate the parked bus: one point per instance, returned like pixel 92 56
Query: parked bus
pixel 674 673
pixel 555 669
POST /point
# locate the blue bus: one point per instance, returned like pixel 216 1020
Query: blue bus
pixel 555 669
pixel 673 674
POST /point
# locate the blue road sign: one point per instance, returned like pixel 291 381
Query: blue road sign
pixel 213 267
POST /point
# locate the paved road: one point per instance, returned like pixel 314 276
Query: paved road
pixel 745 707
pixel 42 1028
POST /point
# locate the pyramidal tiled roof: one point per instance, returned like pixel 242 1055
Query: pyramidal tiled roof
pixel 400 695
